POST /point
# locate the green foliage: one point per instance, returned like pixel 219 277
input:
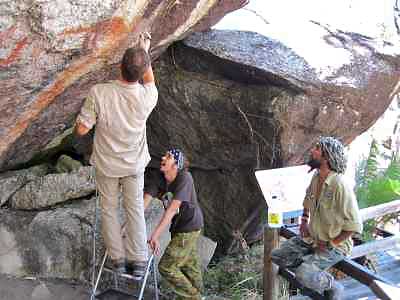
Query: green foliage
pixel 374 187
pixel 371 168
pixel 359 172
pixel 369 230
pixel 393 170
pixel 379 191
pixel 236 277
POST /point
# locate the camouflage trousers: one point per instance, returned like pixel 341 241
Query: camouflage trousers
pixel 310 266
pixel 180 267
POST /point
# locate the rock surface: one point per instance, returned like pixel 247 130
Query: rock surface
pixel 57 243
pixel 343 100
pixel 233 101
pixel 206 115
pixel 37 289
pixel 51 52
pixel 52 243
pixel 67 164
pixel 233 109
pixel 12 181
pixel 52 189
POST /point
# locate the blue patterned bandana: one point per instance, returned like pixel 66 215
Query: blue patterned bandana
pixel 178 156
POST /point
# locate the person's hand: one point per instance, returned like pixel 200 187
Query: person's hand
pixel 322 246
pixel 144 41
pixel 304 232
pixel 154 244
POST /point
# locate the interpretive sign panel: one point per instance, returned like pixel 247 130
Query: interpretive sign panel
pixel 284 188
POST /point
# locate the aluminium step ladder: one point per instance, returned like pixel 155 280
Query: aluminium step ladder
pixel 118 291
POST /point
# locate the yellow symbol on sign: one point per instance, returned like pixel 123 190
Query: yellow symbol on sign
pixel 274 218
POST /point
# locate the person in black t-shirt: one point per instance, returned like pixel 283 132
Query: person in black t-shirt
pixel 179 265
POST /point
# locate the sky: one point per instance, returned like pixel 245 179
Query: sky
pixel 370 17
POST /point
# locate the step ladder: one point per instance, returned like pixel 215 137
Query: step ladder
pixel 118 291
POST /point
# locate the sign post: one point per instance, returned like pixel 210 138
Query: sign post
pixel 283 190
pixel 272 283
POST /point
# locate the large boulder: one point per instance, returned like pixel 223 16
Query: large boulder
pixel 57 243
pixel 54 243
pixel 338 98
pixel 237 101
pixel 12 181
pixel 52 189
pixel 51 52
pixel 207 115
pixel 233 109
pixel 234 101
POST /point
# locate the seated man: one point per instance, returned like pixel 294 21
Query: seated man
pixel 330 217
pixel 179 265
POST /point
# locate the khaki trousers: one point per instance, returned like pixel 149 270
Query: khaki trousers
pixel 109 188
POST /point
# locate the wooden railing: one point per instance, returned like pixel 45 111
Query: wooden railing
pixel 379 285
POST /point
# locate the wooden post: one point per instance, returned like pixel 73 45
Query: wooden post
pixel 273 284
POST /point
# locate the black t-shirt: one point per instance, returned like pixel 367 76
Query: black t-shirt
pixel 190 217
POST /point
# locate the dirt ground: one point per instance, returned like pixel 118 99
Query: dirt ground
pixel 34 289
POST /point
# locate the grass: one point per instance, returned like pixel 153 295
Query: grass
pixel 236 277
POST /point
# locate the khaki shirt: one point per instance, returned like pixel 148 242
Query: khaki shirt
pixel 335 211
pixel 120 112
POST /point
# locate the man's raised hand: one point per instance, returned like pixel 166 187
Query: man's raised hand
pixel 144 41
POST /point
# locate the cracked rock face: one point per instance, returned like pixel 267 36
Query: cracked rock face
pixel 342 98
pixel 12 181
pixel 57 243
pixel 233 109
pixel 51 52
pixel 52 189
pixel 48 243
pixel 233 101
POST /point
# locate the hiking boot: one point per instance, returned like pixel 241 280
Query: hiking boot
pixel 117 265
pixel 336 292
pixel 136 268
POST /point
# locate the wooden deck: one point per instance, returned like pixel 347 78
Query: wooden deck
pixel 385 250
pixel 388 266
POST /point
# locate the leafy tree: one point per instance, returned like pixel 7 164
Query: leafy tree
pixel 371 168
pixel 366 173
pixel 393 170
pixel 380 190
pixel 376 187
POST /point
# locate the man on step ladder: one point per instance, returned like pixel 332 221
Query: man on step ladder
pixel 120 109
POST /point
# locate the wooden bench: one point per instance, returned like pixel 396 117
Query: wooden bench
pixel 379 285
pixel 347 266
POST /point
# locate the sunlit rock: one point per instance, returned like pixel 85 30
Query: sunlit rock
pixel 51 52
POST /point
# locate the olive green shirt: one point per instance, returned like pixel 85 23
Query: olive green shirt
pixel 335 211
